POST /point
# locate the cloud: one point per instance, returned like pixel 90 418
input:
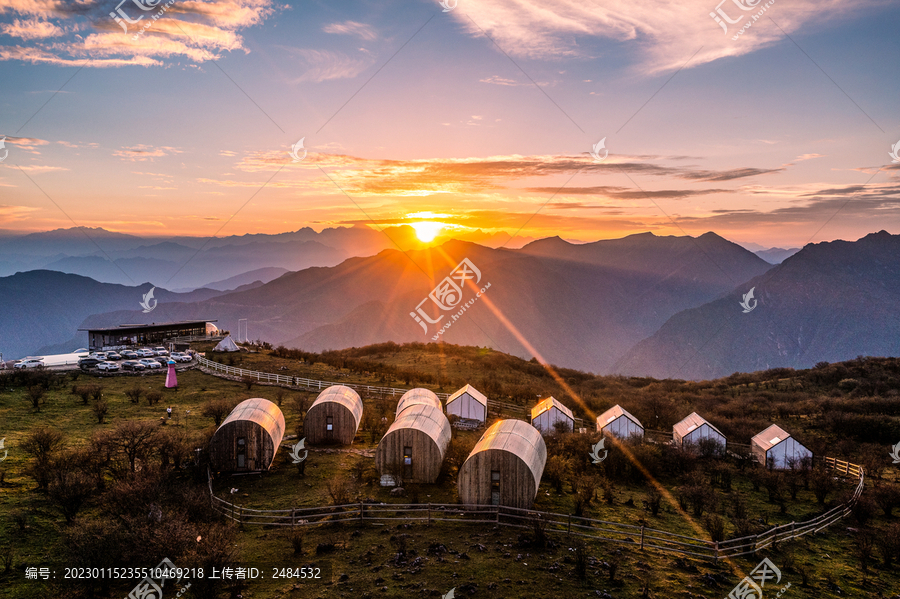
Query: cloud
pixel 143 152
pixel 626 193
pixel 667 33
pixel 11 214
pixel 326 65
pixel 31 29
pixel 360 30
pixel 199 30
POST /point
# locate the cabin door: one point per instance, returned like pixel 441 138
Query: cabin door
pixel 407 463
pixel 241 453
pixel 495 487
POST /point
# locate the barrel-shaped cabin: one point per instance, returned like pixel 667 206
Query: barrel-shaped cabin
pixel 248 438
pixel 418 396
pixel 413 449
pixel 334 417
pixel 505 466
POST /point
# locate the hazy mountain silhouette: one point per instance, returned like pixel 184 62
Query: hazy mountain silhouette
pixel 579 305
pixel 828 302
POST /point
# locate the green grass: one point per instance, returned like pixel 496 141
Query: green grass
pixel 365 553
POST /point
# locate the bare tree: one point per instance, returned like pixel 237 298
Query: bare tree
pixel 35 395
pixel 135 439
pixel 68 490
pixel 41 444
pixel 100 410
pixel 217 409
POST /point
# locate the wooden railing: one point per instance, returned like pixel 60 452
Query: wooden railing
pixel 499 407
pixel 599 530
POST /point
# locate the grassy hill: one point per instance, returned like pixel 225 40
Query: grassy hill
pixel 848 410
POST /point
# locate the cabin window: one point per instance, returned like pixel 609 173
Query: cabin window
pixel 241 452
pixel 407 462
pixel 329 423
pixel 495 487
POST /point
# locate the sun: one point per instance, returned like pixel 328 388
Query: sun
pixel 427 230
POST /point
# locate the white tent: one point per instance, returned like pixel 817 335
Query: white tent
pixel 548 412
pixel 227 344
pixel 619 422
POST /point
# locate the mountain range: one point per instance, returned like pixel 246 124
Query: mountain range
pixel 639 305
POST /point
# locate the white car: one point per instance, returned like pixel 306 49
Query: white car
pixel 100 355
pixel 30 363
pixel 145 353
pixel 180 356
pixel 161 351
pixel 108 366
pixel 150 363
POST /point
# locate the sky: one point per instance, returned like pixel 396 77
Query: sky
pixel 472 115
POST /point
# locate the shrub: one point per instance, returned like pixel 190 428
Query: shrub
pixel 217 409
pixel 134 394
pixel 35 394
pixel 100 410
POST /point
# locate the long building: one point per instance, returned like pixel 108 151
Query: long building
pixel 127 335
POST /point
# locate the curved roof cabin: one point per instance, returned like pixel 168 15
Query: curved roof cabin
pixel 505 466
pixel 248 438
pixel 334 417
pixel 418 396
pixel 413 448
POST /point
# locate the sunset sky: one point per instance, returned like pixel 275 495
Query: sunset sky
pixel 482 117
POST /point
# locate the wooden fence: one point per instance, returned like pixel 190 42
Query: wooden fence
pixel 599 530
pixel 498 407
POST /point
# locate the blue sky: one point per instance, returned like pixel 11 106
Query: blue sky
pixel 191 125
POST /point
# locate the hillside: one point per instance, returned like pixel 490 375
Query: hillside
pixel 580 305
pixel 829 302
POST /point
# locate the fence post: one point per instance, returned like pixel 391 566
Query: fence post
pixel 429 514
pixel 360 511
pixel 792 529
pixel 569 529
pixel 642 538
pixel 717 552
pixel 497 507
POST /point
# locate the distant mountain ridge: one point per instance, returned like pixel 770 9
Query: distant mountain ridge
pixel 582 305
pixel 828 302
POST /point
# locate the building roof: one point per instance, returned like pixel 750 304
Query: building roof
pixel 613 413
pixel 261 411
pixel 475 393
pixel 418 396
pixel 426 418
pixel 155 326
pixel 770 437
pixel 546 404
pixel 693 421
pixel 345 396
pixel 519 438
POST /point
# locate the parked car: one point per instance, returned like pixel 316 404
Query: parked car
pixel 133 365
pixel 108 366
pixel 113 356
pixel 145 353
pixel 30 363
pixel 150 363
pixel 163 360
pixel 180 356
pixel 161 351
pixel 129 355
pixel 89 362
pixel 81 350
pixel 100 355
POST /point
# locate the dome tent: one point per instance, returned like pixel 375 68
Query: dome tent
pixel 227 344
